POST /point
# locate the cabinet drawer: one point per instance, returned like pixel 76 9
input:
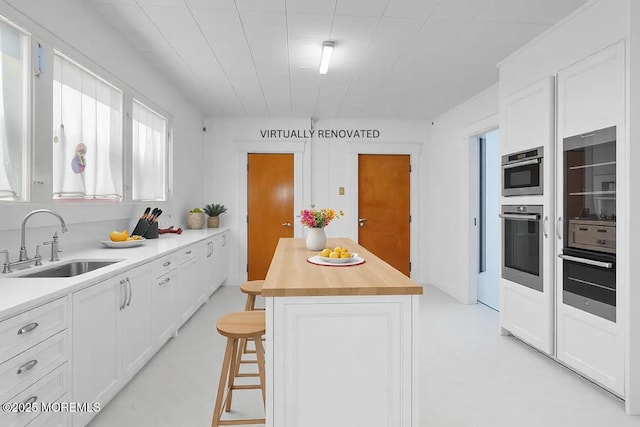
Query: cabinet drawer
pixel 594 237
pixel 52 419
pixel 187 254
pixel 20 332
pixel 49 389
pixel 18 373
pixel 164 265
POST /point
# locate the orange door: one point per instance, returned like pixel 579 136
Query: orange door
pixel 270 208
pixel 384 207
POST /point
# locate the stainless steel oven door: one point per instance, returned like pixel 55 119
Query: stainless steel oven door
pixel 522 245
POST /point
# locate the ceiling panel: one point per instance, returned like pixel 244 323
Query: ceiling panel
pixel 410 8
pixel 261 5
pixel 392 58
pixel 371 8
pixel 460 10
pixel 326 7
pixel 526 11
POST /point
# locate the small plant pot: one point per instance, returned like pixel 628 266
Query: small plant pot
pixel 195 219
pixel 213 222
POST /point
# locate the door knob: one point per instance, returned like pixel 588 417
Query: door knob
pixel 286 224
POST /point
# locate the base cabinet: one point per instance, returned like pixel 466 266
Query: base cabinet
pixel 111 337
pixel 163 313
pixel 189 286
pixel 354 355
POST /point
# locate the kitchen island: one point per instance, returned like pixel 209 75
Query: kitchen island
pixel 340 341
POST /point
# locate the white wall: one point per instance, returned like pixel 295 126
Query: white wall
pixel 74 28
pixel 447 215
pixel 326 163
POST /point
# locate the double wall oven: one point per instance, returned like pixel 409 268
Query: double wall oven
pixel 522 231
pixel 589 251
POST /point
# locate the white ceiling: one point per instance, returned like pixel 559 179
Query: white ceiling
pixel 392 58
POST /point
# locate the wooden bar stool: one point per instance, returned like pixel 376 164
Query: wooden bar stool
pixel 236 327
pixel 252 288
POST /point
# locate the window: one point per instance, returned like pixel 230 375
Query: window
pixel 14 96
pixel 149 170
pixel 87 134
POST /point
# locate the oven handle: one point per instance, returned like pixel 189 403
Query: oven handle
pixel 524 163
pixel 521 217
pixel 586 261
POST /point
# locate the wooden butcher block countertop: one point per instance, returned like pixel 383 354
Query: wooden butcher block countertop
pixel 291 275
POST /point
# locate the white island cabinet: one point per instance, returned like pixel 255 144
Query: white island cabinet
pixel 340 348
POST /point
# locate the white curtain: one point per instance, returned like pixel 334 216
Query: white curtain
pixel 12 130
pixel 149 154
pixel 87 134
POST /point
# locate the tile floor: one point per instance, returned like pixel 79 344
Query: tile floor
pixel 469 376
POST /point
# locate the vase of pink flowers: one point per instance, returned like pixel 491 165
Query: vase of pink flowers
pixel 316 220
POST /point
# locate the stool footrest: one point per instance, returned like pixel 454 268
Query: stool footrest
pixel 246 387
pixel 243 375
pixel 241 422
pixel 248 361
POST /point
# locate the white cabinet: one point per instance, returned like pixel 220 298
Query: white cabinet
pixel 353 354
pixel 137 343
pixel 190 288
pixel 111 336
pixel 526 122
pixel 216 263
pixel 221 257
pixel 591 96
pixel 33 360
pixel 163 311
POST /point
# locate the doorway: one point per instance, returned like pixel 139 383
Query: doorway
pixel 270 197
pixel 488 221
pixel 384 202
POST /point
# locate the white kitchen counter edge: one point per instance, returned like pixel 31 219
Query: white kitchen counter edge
pixel 18 294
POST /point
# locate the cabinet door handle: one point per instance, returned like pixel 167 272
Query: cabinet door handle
pixel 188 252
pixel 27 366
pixel 130 292
pixel 224 240
pixel 29 401
pixel 166 264
pixel 558 224
pixel 28 328
pixel 124 294
pixel 544 226
pixel 165 281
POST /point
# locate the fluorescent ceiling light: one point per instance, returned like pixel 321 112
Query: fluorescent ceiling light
pixel 327 49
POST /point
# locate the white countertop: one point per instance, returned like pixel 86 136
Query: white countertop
pixel 17 294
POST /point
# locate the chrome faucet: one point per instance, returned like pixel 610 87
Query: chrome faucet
pixel 23 248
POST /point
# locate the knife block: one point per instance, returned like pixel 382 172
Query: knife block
pixel 141 228
pixel 152 231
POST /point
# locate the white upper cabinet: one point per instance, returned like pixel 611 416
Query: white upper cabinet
pixel 591 93
pixel 527 118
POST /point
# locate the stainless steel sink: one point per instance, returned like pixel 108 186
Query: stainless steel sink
pixel 70 269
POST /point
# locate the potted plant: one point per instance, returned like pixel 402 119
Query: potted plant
pixel 195 218
pixel 214 211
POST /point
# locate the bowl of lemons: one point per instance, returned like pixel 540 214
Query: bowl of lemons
pixel 337 255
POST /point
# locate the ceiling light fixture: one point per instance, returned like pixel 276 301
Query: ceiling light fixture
pixel 327 49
